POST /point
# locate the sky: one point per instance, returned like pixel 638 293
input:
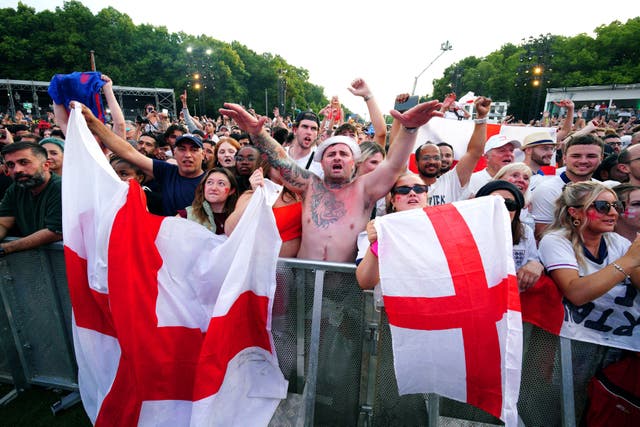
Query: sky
pixel 387 43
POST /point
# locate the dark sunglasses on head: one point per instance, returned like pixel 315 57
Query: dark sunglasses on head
pixel 405 189
pixel 511 205
pixel 604 207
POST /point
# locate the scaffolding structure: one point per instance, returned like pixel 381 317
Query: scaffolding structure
pixel 32 98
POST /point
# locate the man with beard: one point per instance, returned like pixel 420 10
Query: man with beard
pixel 446 157
pixel 336 208
pixel 450 186
pixel 33 203
pixel 538 149
pixel 582 156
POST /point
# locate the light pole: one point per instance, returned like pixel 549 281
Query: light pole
pixel 443 47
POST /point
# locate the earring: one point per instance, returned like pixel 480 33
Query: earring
pixel 576 223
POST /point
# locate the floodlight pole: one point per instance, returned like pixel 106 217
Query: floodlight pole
pixel 443 47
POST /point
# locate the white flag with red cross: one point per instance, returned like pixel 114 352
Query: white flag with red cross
pixel 450 292
pixel 171 323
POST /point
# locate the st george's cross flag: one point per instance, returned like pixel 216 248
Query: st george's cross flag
pixel 450 292
pixel 171 324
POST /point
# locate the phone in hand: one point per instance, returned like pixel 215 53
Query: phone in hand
pixel 408 104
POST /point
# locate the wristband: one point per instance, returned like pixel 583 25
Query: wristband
pixel 367 97
pixel 410 130
pixel 374 248
pixel 481 121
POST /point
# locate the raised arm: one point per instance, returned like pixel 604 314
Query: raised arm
pixel 475 148
pixel 191 124
pixel 115 143
pixel 378 182
pixel 360 88
pixel 567 124
pixel 293 176
pixel 117 117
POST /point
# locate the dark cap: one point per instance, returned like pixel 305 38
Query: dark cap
pixel 498 184
pixel 306 115
pixel 191 138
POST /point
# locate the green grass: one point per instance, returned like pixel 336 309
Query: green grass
pixel 32 408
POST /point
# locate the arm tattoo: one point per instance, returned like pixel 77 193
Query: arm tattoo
pixel 325 209
pixel 290 172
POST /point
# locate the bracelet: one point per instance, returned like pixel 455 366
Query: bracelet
pixel 621 270
pixel 481 121
pixel 367 97
pixel 410 130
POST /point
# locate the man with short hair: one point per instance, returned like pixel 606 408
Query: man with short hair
pixel 148 145
pixel 177 183
pixel 499 151
pixel 538 150
pixel 305 132
pixel 613 140
pixel 33 202
pixel 450 187
pixel 582 156
pixel 172 133
pixel 336 209
pixel 446 157
pixel 628 163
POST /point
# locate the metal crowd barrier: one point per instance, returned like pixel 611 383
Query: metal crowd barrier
pixel 333 346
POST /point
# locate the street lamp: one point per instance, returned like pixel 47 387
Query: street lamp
pixel 443 47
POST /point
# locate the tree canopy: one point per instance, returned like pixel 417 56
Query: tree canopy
pixel 35 46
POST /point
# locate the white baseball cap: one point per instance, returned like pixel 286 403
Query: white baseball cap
pixel 497 141
pixel 340 139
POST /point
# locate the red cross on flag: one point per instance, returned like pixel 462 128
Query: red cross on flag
pixel 171 324
pixel 450 292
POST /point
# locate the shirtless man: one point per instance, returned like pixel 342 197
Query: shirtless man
pixel 335 209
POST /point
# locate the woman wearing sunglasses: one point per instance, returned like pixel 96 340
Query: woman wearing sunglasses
pixel 581 251
pixel 409 192
pixel 525 254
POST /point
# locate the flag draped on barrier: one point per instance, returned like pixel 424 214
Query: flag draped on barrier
pixel 450 293
pixel 611 320
pixel 171 323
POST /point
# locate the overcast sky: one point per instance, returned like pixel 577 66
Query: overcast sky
pixel 386 43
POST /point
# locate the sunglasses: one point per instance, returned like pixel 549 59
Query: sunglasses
pixel 603 207
pixel 405 189
pixel 511 205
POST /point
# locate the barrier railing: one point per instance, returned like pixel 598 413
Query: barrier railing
pixel 333 346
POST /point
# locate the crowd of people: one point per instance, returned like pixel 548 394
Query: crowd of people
pixel 339 175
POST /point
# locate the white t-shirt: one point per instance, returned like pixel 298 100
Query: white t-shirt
pixel 446 189
pixel 314 167
pixel 543 200
pixel 556 252
pixel 477 181
pixel 526 249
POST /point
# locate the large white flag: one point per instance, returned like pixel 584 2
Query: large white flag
pixel 450 293
pixel 171 323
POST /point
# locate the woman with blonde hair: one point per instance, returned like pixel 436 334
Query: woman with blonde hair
pixel 580 250
pixel 519 174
